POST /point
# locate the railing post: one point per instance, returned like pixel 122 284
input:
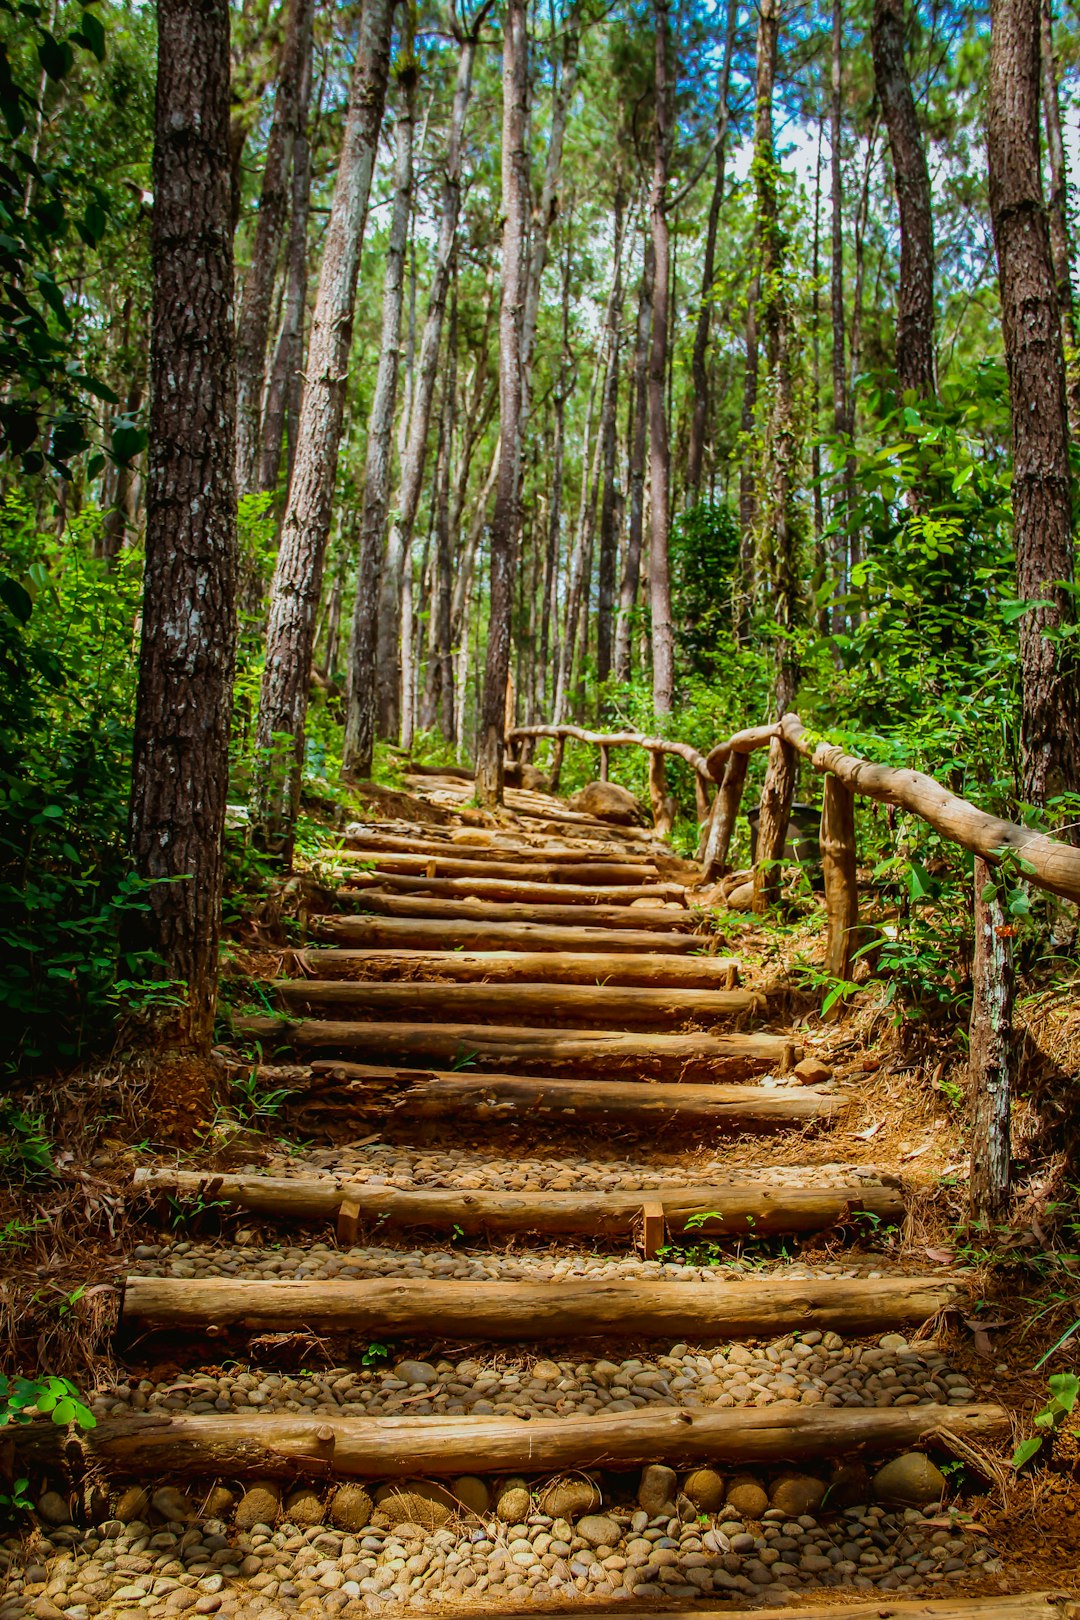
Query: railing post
pixel 605 763
pixel 775 813
pixel 990 1049
pixel 725 810
pixel 662 805
pixel 556 762
pixel 838 867
pixel 701 797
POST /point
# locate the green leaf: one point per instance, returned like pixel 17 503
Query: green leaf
pixel 93 33
pixel 127 441
pixel 55 55
pixel 16 598
pixel 1026 1450
pixel 1065 1389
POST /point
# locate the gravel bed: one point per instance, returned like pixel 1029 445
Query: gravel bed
pixel 132 1571
pixel 816 1369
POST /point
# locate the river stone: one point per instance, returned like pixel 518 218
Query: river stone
pixel 350 1508
pixel 258 1505
pixel 416 1372
pixel 53 1508
pixel 569 1498
pixel 219 1503
pixel 657 1488
pixel 705 1488
pixel 746 1497
pixel 472 1493
pixel 513 1503
pixel 911 1480
pixel 304 1507
pixel 173 1505
pixel 795 1494
pixel 598 1530
pixel 416 1501
pixel 812 1072
pixel 131 1505
pixel 608 802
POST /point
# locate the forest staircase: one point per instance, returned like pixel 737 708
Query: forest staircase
pixel 508 992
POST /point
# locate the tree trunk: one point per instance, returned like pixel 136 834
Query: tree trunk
pixel 505 522
pixel 359 736
pixel 663 644
pixel 298 576
pixel 441 658
pixel 253 318
pixel 748 500
pixel 609 443
pixel 915 367
pixel 181 739
pixel 637 437
pixel 1031 325
pixel 842 423
pixel 1061 246
pixel 990 1051
pixel 700 416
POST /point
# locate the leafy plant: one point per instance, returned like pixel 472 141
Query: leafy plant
pixel 1064 1391
pixel 18 1500
pixel 25 1154
pixel 23 1399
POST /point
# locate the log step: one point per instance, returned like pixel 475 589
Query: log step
pixel 609 1004
pixel 668 919
pixel 285 1445
pixel 507 873
pixel 502 1099
pixel 702 1057
pixel 513 967
pixel 498 849
pixel 432 933
pixel 498 1312
pixel 746 1209
pixel 521 890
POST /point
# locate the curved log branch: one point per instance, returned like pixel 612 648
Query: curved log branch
pixel 622 739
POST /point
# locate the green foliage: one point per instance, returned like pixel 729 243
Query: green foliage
pixel 704 558
pixel 25 1154
pixel 23 1399
pixel 1064 1392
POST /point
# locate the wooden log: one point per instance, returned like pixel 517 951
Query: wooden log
pixel 732 1209
pixel 520 891
pixel 725 811
pixel 595 916
pixel 663 805
pixel 511 967
pixel 605 762
pixel 358 836
pixel 742 742
pixel 1055 864
pixel 702 802
pixel 838 866
pixel 619 739
pixel 612 1005
pixel 509 874
pixel 504 1099
pixel 460 932
pixel 702 1057
pixel 555 770
pixel 990 1051
pixel 777 795
pixel 498 1312
pixel 284 1445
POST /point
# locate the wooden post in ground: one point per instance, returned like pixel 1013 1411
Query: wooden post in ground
pixel 841 883
pixel 701 797
pixel 605 762
pixel 775 813
pixel 556 763
pixel 725 810
pixel 663 806
pixel 990 1051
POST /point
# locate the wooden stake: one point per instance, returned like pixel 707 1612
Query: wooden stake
pixel 990 1050
pixel 776 798
pixel 605 762
pixel 652 1227
pixel 725 811
pixel 348 1219
pixel 663 806
pixel 838 869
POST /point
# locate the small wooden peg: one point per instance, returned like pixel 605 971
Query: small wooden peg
pixel 348 1217
pixel 652 1227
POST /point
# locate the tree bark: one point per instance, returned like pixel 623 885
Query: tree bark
pixel 699 371
pixel 359 738
pixel 1031 326
pixel 721 824
pixel 663 641
pixel 440 696
pixel 838 865
pixel 298 576
pixel 253 318
pixel 506 518
pixel 990 1051
pixel 777 794
pixel 637 438
pixel 609 441
pixel 915 362
pixel 181 737
pixel 1061 247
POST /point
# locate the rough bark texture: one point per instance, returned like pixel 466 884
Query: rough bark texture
pixel 609 440
pixel 990 1050
pixel 297 583
pixel 359 736
pixel 1030 319
pixel 915 368
pixel 663 640
pixel 181 741
pixel 1057 205
pixel 253 317
pixel 506 519
pixel 637 437
pixel 725 811
pixel 838 865
pixel 777 794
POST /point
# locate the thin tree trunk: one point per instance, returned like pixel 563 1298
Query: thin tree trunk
pixel 1031 325
pixel 298 576
pixel 440 702
pixel 701 415
pixel 253 319
pixel 609 444
pixel 575 586
pixel 915 367
pixel 360 690
pixel 1061 246
pixel 748 502
pixel 637 436
pixel 821 614
pixel 505 522
pixel 663 644
pixel 842 425
pixel 563 386
pixel 181 740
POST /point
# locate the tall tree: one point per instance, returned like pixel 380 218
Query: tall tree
pixel 1041 489
pixel 915 367
pixel 360 680
pixel 505 520
pixel 253 318
pixel 609 444
pixel 637 440
pixel 181 742
pixel 1061 246
pixel 663 639
pixel 297 582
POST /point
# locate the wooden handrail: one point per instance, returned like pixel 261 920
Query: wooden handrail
pixel 622 739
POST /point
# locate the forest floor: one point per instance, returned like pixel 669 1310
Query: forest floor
pixel 118 1267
